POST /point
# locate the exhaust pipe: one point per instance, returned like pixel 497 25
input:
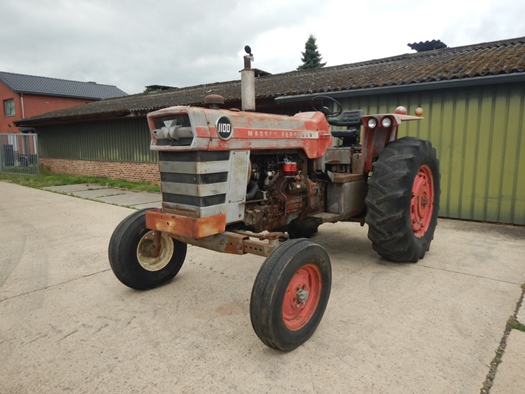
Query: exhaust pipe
pixel 248 82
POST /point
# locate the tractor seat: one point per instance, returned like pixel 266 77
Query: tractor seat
pixel 348 133
pixel 352 121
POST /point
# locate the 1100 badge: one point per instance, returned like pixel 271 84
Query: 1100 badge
pixel 224 128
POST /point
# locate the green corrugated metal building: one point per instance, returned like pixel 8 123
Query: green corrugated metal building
pixel 473 98
pixel 112 140
pixel 478 131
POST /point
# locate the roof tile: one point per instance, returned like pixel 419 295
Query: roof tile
pixel 479 60
pixel 31 84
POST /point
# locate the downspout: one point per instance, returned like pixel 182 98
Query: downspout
pixel 22 104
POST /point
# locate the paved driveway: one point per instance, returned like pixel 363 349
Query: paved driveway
pixel 67 324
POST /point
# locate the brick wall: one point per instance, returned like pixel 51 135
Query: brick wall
pixel 112 169
pixel 36 105
pixel 6 122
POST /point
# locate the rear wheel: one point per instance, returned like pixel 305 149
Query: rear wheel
pixel 403 200
pixel 290 294
pixel 305 228
pixel 133 258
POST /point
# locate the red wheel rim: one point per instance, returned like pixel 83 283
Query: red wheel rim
pixel 422 203
pixel 302 297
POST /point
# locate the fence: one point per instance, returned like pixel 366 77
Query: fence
pixel 19 153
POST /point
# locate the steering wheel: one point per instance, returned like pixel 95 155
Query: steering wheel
pixel 318 104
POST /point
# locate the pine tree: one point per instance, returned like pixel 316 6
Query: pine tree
pixel 311 57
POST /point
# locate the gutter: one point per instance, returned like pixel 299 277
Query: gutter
pixel 414 87
pixel 32 122
pixel 65 95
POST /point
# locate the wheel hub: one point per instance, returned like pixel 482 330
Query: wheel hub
pixel 421 204
pixel 145 252
pixel 302 297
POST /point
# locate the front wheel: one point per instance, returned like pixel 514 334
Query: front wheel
pixel 133 258
pixel 403 200
pixel 290 294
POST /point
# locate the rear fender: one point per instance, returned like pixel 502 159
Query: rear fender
pixel 375 139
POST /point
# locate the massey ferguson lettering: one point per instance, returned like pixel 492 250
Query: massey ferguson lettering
pixel 283 134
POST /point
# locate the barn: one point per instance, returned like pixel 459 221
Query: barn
pixel 473 97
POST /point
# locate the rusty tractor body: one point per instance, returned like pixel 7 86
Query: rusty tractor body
pixel 245 182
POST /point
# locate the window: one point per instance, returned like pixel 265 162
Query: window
pixel 9 107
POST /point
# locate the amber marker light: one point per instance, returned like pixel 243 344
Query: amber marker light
pixel 419 111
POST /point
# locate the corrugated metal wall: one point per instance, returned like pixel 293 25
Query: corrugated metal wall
pixel 477 131
pixel 479 135
pixel 111 140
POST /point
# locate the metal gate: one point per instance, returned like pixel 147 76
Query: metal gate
pixel 19 153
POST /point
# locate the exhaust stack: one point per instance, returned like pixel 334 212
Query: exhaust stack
pixel 248 82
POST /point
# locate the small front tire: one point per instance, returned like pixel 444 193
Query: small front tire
pixel 290 294
pixel 131 257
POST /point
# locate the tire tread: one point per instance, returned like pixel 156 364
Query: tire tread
pixel 388 200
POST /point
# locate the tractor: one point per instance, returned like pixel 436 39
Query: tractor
pixel 238 181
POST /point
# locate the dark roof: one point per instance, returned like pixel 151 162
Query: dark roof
pixel 473 62
pixel 427 45
pixel 43 86
pixel 260 73
pixel 151 88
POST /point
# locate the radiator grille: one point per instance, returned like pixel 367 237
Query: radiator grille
pixel 194 179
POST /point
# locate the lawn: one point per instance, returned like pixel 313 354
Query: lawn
pixel 45 180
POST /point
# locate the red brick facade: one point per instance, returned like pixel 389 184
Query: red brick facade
pixel 112 169
pixel 27 105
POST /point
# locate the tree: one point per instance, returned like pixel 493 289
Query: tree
pixel 311 57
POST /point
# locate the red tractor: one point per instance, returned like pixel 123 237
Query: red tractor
pixel 245 182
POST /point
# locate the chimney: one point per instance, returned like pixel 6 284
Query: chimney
pixel 248 82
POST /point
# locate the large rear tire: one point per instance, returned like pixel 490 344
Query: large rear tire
pixel 290 294
pixel 403 200
pixel 131 254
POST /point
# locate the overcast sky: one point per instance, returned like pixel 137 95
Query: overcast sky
pixel 132 44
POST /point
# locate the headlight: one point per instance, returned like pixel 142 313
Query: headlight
pixel 386 122
pixel 372 123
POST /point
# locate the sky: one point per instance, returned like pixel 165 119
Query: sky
pixel 132 44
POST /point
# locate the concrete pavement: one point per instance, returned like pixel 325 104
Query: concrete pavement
pixel 67 324
pixel 126 198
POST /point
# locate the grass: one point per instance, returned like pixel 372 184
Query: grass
pixel 517 325
pixel 512 324
pixel 46 179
